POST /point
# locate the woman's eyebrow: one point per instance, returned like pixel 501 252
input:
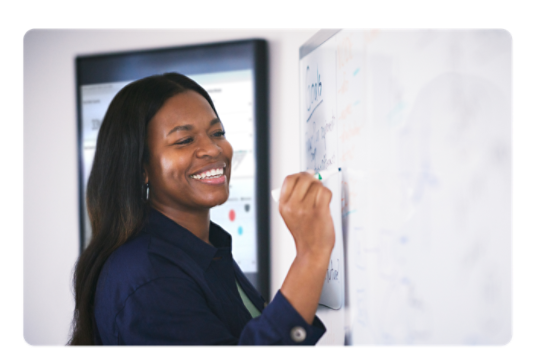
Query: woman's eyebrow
pixel 190 127
pixel 181 128
pixel 215 121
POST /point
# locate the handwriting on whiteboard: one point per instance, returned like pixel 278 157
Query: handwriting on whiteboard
pixel 314 90
pixel 316 145
pixel 332 274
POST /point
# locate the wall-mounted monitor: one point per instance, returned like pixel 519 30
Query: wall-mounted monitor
pixel 235 75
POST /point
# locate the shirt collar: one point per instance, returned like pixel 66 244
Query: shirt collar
pixel 164 228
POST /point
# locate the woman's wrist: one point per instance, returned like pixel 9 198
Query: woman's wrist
pixel 303 284
pixel 318 258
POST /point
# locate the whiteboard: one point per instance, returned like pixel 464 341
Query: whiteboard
pixel 420 122
pixel 333 290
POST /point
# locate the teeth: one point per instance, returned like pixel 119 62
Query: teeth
pixel 216 172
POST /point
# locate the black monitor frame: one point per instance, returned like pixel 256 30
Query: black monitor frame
pixel 194 59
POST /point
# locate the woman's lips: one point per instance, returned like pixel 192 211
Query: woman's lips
pixel 213 180
pixel 206 169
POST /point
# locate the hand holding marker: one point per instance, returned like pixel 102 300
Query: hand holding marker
pixel 304 204
pixel 322 176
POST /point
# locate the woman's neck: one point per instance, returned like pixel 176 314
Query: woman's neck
pixel 197 222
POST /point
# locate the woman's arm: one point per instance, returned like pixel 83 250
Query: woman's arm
pixel 175 311
pixel 304 206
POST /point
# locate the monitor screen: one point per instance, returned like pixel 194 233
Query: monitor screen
pixel 235 81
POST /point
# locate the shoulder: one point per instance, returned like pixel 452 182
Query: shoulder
pixel 131 267
pixel 128 262
pixel 136 263
pixel 125 270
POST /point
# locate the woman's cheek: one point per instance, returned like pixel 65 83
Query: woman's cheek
pixel 168 167
pixel 229 152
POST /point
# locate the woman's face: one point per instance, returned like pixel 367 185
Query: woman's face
pixel 189 163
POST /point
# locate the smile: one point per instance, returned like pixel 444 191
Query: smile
pixel 210 174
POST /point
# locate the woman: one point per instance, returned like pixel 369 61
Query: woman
pixel 157 271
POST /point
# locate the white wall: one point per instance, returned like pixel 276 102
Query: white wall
pixel 50 157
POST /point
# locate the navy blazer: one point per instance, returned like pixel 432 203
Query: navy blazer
pixel 167 286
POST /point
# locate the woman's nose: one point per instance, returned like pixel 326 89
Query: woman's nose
pixel 207 147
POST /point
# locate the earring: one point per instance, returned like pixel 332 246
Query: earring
pixel 146 191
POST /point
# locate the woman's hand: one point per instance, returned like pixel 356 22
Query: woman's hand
pixel 304 206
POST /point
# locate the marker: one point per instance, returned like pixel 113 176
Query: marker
pixel 322 176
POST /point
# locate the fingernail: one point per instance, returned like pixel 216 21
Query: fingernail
pixel 310 171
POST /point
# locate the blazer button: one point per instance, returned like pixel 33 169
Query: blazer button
pixel 298 334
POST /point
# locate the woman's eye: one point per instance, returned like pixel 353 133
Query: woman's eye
pixel 185 141
pixel 219 134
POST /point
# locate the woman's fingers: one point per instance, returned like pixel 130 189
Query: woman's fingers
pixel 295 187
pixel 304 183
pixel 312 193
pixel 288 187
pixel 323 197
pixel 304 188
pixel 304 206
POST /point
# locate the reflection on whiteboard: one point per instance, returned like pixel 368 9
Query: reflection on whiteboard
pixel 420 122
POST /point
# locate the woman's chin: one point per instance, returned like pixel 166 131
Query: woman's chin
pixel 216 200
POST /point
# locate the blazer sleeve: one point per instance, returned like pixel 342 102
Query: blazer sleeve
pixel 173 311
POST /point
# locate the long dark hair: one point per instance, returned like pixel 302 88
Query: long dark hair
pixel 114 195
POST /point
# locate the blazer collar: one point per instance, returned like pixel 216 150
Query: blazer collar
pixel 174 235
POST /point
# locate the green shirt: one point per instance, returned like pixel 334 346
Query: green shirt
pixel 247 302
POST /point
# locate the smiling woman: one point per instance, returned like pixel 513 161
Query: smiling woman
pixel 157 270
pixel 187 148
